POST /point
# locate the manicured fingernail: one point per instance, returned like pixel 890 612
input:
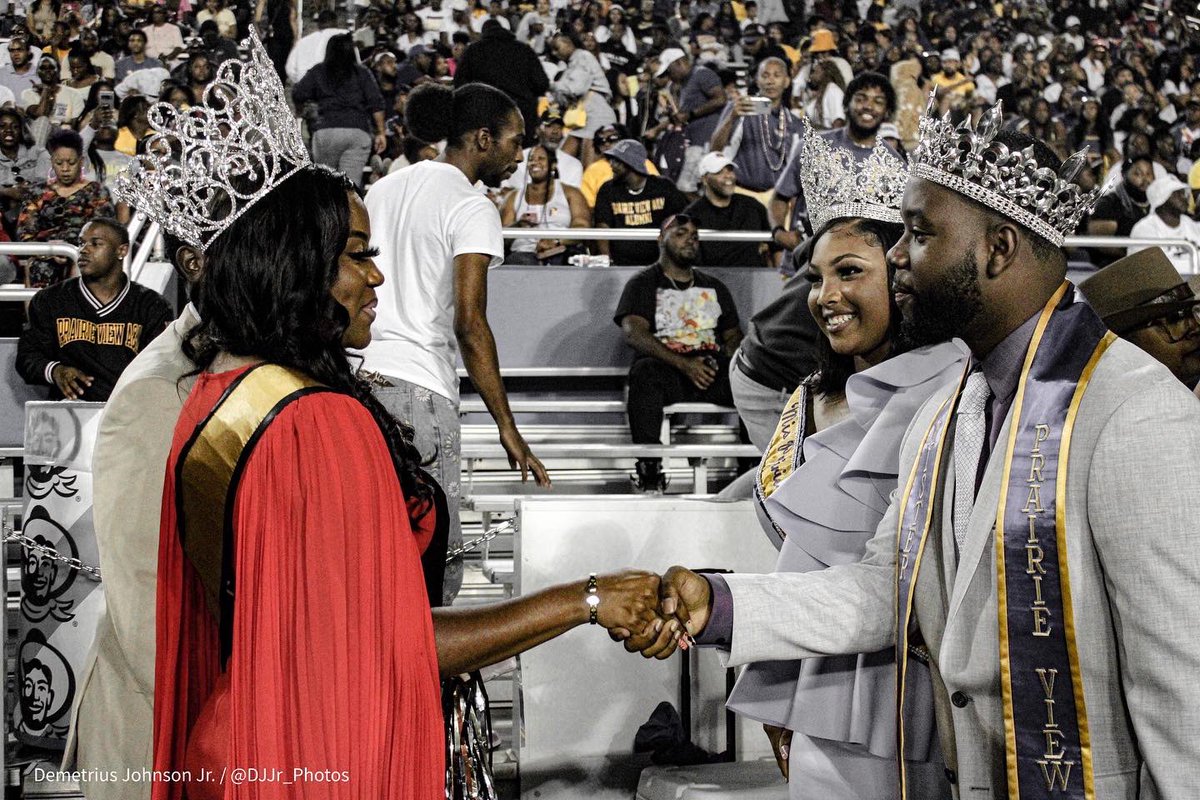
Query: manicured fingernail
pixel 783 752
pixel 674 625
pixel 658 625
pixel 668 605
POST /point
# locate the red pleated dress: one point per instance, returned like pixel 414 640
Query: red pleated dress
pixel 331 689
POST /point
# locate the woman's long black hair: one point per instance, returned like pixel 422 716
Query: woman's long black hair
pixel 265 293
pixel 833 370
pixel 341 59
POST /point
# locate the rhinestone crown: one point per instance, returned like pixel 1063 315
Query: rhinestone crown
pixel 837 185
pixel 243 134
pixel 970 161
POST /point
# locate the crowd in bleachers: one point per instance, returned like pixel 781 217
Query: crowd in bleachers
pixel 676 78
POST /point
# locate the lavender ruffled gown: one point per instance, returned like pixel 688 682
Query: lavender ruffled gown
pixel 842 709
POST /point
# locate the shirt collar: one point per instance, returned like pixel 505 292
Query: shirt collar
pixel 1002 367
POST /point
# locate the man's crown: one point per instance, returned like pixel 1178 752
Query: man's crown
pixel 207 165
pixel 838 185
pixel 972 163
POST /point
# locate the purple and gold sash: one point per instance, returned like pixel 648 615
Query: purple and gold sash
pixel 1047 745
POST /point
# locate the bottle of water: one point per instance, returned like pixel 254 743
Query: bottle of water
pixel 588 260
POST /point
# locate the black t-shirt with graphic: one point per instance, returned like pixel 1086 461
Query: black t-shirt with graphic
pixel 686 320
pixel 617 207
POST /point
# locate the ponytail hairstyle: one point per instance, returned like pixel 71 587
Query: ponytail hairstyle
pixel 437 113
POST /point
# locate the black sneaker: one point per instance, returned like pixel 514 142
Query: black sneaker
pixel 649 478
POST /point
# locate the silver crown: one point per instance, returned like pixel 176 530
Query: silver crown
pixel 243 135
pixel 971 163
pixel 838 185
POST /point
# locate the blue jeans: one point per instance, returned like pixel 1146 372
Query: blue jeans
pixel 437 437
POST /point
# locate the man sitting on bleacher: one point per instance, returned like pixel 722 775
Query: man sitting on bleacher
pixel 684 326
pixel 83 332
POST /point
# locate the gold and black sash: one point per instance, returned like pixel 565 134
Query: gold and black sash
pixel 784 454
pixel 207 473
pixel 1047 745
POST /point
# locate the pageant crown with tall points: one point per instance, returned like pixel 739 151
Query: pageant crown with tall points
pixel 971 162
pixel 207 165
pixel 837 185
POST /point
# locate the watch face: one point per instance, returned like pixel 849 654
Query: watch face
pixel 593 600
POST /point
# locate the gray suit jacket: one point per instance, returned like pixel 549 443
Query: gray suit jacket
pixel 112 721
pixel 1133 506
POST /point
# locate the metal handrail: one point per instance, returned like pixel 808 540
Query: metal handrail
pixel 134 268
pixel 16 291
pixel 1126 241
pixel 58 249
pixel 651 234
pixel 13 291
pixel 629 234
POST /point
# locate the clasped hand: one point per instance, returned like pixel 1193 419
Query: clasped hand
pixel 650 614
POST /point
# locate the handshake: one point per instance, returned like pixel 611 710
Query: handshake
pixel 651 614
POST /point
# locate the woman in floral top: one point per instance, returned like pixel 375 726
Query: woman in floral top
pixel 59 210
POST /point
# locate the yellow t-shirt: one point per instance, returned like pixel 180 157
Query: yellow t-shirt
pixel 960 83
pixel 598 174
pixel 126 142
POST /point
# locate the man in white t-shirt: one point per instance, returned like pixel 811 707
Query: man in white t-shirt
pixel 438 235
pixel 1168 219
pixel 550 135
pixel 310 51
pixel 54 100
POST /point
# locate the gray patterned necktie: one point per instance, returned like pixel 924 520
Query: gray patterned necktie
pixel 970 429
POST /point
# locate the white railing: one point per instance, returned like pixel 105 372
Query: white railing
pixel 650 234
pixel 1125 241
pixel 13 291
pixel 135 262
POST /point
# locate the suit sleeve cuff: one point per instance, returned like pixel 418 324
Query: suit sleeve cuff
pixel 719 630
pixel 49 369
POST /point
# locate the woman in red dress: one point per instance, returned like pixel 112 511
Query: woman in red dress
pixel 297 655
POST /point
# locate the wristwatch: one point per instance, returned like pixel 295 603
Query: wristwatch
pixel 593 600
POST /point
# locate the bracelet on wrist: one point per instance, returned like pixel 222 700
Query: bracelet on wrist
pixel 592 599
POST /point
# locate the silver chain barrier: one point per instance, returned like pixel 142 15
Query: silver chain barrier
pixel 490 534
pixel 29 544
pixel 74 563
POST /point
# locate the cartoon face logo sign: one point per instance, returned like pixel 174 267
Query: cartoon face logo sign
pixel 47 689
pixel 52 436
pixel 44 579
pixel 44 437
pixel 41 481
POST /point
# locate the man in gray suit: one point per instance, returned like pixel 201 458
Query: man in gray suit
pixel 112 722
pixel 981 262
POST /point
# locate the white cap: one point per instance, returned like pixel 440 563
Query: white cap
pixel 1072 21
pixel 888 130
pixel 1161 190
pixel 714 162
pixel 950 54
pixel 668 57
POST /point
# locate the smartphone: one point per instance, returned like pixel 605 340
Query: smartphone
pixel 106 99
pixel 759 105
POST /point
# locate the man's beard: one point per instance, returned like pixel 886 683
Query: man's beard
pixel 944 312
pixel 859 132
